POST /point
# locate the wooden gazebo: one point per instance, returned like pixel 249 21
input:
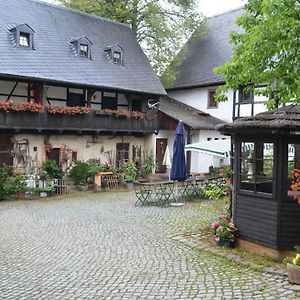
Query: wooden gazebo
pixel 266 151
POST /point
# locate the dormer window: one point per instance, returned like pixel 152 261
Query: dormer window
pixel 115 54
pixel 22 36
pixel 117 57
pixel 84 50
pixel 24 39
pixel 81 47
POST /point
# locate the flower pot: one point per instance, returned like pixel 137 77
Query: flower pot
pixel 225 243
pixel 129 185
pixel 293 273
pixel 21 195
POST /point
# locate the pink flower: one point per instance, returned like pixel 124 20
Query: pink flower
pixel 214 225
pixel 220 228
pixel 222 216
pixel 217 239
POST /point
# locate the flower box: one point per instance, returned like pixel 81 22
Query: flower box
pixel 293 273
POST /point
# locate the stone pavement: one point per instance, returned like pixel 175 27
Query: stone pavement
pixel 100 246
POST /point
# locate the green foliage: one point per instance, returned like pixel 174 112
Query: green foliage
pixel 20 184
pixel 6 184
pixel 81 173
pixel 161 27
pixel 215 190
pixel 130 171
pixel 148 165
pixel 227 172
pixel 50 169
pixel 266 53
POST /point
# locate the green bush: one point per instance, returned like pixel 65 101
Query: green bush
pixel 130 171
pixel 20 184
pixel 6 183
pixel 215 190
pixel 81 173
pixel 50 169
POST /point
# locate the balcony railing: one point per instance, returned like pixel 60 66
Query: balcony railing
pixel 89 123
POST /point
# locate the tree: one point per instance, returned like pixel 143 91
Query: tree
pixel 161 27
pixel 267 53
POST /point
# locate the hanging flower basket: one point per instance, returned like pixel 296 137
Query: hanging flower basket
pixel 68 110
pixel 24 106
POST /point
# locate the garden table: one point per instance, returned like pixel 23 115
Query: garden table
pixel 155 192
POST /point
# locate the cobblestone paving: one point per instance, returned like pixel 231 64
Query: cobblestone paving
pixel 100 246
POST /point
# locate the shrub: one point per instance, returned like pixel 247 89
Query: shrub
pixel 130 171
pixel 20 183
pixel 6 184
pixel 81 173
pixel 215 190
pixel 50 169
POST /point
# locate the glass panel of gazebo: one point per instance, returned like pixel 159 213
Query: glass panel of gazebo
pixel 293 169
pixel 256 167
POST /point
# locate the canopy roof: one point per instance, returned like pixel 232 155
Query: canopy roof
pixel 284 120
pixel 219 148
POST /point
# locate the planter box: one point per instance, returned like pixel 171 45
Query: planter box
pixel 293 273
pixel 225 243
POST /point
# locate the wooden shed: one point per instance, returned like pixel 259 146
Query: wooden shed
pixel 266 162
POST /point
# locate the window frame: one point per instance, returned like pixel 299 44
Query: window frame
pixel 85 52
pixel 274 172
pixel 211 103
pixel 24 36
pixel 119 60
pixel 242 96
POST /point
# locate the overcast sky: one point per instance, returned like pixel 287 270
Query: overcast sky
pixel 210 7
pixel 214 7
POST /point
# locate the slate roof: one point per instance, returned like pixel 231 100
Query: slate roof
pixel 282 119
pixel 210 49
pixel 191 116
pixel 52 58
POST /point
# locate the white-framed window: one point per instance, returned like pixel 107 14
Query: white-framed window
pixel 117 57
pixel 24 40
pixel 84 50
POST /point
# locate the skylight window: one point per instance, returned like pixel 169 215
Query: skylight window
pixel 24 40
pixel 117 57
pixel 84 50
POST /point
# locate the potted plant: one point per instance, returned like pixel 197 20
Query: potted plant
pixel 224 231
pixel 130 172
pixel 227 175
pixel 293 267
pixel 20 186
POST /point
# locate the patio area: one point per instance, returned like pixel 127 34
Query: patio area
pixel 102 246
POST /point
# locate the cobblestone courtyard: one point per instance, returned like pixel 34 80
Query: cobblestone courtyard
pixel 100 246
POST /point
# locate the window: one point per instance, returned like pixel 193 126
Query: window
pixel 109 102
pixel 245 96
pixel 84 50
pixel 212 103
pixel 24 39
pixel 256 167
pixel 117 57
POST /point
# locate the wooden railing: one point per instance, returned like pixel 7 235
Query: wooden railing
pixel 91 122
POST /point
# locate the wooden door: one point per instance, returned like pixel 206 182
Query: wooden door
pixel 54 154
pixel 6 147
pixel 161 145
pixel 122 154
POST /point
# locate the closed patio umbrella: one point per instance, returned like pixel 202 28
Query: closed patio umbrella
pixel 178 171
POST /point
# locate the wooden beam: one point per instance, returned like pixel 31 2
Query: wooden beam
pixel 12 91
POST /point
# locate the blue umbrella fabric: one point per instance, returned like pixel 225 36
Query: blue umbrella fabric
pixel 178 171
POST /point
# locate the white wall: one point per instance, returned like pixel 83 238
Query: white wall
pixel 198 98
pixel 200 162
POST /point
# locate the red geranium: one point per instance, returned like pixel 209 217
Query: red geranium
pixel 296 184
